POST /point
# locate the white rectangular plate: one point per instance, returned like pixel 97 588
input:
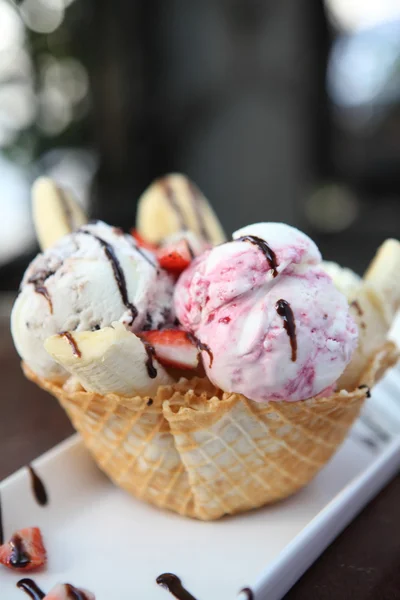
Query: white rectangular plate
pixel 100 538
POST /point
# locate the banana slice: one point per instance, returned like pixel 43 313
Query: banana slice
pixel 110 360
pixel 383 276
pixel 374 306
pixel 55 212
pixel 172 204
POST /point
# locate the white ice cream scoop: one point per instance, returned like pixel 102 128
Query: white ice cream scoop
pixel 86 281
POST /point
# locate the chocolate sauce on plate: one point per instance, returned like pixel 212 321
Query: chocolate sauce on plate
pixel 19 558
pixel 38 488
pixel 73 593
pixel 1 525
pixel 265 249
pixel 119 274
pixel 31 588
pixel 72 342
pixel 151 370
pixel 249 593
pixel 173 584
pixel 38 281
pixel 284 310
pixel 34 591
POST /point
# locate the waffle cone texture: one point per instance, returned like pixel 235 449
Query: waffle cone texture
pixel 203 453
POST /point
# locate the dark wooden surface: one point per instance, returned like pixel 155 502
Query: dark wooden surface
pixel 31 421
pixel 363 563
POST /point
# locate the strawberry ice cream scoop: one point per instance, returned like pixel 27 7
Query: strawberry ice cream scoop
pixel 274 323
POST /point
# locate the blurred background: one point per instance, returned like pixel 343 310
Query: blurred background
pixel 284 110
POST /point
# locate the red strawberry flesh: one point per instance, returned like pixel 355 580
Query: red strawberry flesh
pixel 173 348
pixel 175 257
pixel 25 550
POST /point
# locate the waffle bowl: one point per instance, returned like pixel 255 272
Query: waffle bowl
pixel 203 453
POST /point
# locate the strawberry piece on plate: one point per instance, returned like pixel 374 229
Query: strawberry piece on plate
pixel 173 348
pixel 24 551
pixel 175 257
pixel 141 242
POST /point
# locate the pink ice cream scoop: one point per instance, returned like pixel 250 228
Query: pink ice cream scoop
pixel 275 325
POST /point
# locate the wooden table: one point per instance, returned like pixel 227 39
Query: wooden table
pixel 363 563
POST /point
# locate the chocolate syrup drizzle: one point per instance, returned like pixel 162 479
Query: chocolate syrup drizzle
pixel 190 249
pixel 72 342
pixel 137 247
pixel 365 386
pixel 142 253
pixel 66 208
pixel 19 558
pixel 265 249
pixel 357 307
pixel 118 273
pixel 38 281
pixel 73 593
pixel 205 348
pixel 34 591
pixel 196 199
pixel 173 584
pixel 170 195
pixel 284 310
pixel 249 593
pixel 201 346
pixel 38 488
pixel 355 304
pixel 1 525
pixel 151 370
pixel 31 588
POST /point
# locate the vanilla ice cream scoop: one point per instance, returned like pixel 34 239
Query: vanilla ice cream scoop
pixel 274 325
pixel 88 280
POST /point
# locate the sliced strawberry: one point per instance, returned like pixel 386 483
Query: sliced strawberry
pixel 173 348
pixel 24 551
pixel 175 257
pixel 66 591
pixel 142 242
